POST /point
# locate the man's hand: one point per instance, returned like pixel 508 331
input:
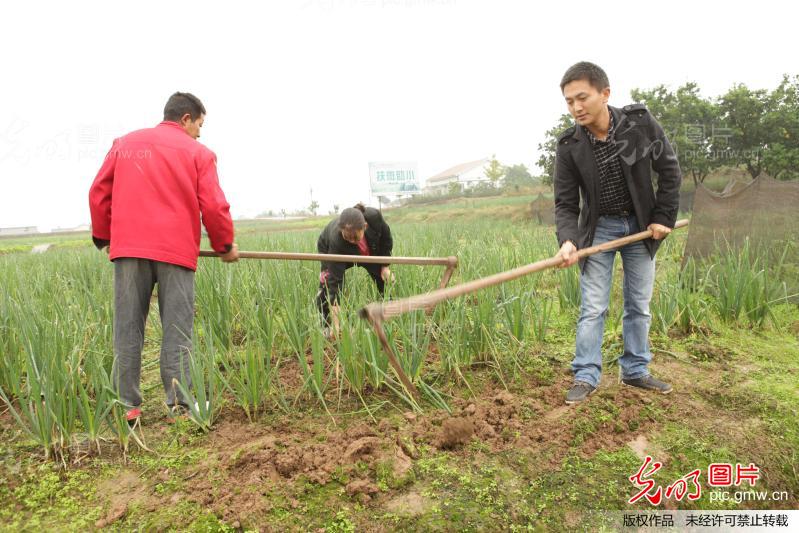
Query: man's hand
pixel 232 256
pixel 659 231
pixel 107 249
pixel 387 274
pixel 567 254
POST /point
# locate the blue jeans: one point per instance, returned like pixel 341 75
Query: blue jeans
pixel 595 284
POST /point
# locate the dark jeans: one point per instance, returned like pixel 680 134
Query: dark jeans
pixel 134 280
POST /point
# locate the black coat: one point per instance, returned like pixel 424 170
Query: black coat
pixel 643 147
pixel 378 236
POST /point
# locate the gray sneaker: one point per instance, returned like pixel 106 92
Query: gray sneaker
pixel 649 383
pixel 579 392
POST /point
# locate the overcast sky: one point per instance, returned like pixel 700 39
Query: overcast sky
pixel 304 94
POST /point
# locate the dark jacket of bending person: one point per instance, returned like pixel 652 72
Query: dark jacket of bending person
pixel 357 230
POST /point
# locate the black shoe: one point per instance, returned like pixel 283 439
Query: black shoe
pixel 579 392
pixel 649 383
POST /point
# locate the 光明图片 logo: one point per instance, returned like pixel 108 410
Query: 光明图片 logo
pixel 689 486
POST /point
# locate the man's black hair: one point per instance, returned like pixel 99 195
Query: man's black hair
pixel 352 219
pixel 590 72
pixel 181 103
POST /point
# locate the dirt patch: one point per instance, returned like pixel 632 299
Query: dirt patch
pixel 289 374
pixel 363 447
pixel 411 504
pixel 455 432
pixel 618 416
pixel 402 463
pixel 639 446
pixel 539 424
pixel 556 413
pixel 252 459
pixel 363 489
pixel 250 462
pixel 123 490
pixel 704 351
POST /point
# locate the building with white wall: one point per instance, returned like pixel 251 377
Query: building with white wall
pixel 466 175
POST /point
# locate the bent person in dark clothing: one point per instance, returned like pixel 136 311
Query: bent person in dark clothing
pixel 357 230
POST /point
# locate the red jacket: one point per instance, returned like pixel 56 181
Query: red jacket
pixel 149 194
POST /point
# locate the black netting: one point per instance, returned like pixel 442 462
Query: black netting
pixel 765 211
pixel 542 210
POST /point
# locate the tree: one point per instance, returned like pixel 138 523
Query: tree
pixel 313 207
pixel 746 135
pixel 546 162
pixel 494 170
pixel 744 127
pixel 691 124
pixel 518 176
pixel 335 208
pixel 454 188
pixel 781 159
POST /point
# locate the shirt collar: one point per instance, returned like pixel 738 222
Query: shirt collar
pixel 171 123
pixel 611 131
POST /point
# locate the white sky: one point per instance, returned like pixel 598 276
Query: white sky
pixel 304 94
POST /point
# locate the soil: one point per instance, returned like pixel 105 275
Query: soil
pixel 123 491
pixel 247 460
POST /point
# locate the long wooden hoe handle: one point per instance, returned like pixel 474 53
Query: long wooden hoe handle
pixel 385 311
pixel 336 258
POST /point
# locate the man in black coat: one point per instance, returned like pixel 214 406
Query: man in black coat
pixel 357 230
pixel 604 191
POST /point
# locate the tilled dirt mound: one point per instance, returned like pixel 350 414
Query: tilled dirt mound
pixel 249 461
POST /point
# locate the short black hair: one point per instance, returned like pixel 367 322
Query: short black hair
pixel 352 219
pixel 181 103
pixel 585 70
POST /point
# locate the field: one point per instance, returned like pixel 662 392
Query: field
pixel 301 433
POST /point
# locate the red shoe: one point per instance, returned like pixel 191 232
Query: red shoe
pixel 133 416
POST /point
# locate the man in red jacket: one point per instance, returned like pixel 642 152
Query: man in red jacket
pixel 146 203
